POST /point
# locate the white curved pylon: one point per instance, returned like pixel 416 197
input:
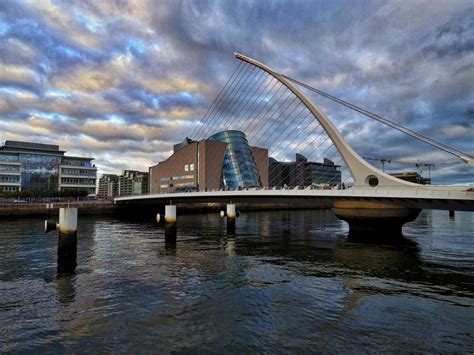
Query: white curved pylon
pixel 361 171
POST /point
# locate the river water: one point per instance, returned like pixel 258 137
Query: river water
pixel 286 281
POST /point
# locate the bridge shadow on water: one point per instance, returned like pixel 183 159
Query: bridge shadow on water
pixel 315 238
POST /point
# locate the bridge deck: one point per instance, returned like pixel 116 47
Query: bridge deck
pixel 424 197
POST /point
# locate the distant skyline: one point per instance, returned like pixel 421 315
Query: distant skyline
pixel 122 81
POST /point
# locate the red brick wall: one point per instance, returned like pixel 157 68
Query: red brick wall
pixel 174 167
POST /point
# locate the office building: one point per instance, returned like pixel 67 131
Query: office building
pixel 303 173
pixel 223 161
pixel 36 166
pixel 413 176
pixel 132 182
pixel 108 186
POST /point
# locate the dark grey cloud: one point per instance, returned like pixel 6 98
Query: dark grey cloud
pixel 452 38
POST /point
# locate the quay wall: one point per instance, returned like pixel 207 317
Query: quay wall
pixel 108 208
pixel 40 209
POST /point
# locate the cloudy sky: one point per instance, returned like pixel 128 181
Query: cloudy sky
pixel 122 81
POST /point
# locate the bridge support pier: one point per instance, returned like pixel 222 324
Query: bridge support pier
pixel 367 218
pixel 231 227
pixel 231 213
pixel 67 240
pixel 170 222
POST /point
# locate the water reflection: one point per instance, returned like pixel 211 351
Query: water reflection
pixel 66 289
pixel 170 232
pixel 392 258
pixel 230 245
pixel 281 281
pixel 313 239
pixel 230 226
pixel 170 246
pixel 67 253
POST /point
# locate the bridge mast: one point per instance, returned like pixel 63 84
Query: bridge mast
pixel 363 173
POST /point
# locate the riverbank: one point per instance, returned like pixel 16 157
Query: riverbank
pixel 41 209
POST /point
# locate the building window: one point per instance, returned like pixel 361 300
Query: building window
pixel 8 188
pixel 185 184
pixel 10 168
pixel 186 167
pixel 10 178
pixel 181 177
pixel 191 167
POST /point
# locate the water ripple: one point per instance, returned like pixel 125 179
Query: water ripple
pixel 288 281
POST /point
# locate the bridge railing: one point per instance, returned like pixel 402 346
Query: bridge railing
pixel 421 191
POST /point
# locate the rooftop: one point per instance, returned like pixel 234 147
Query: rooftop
pixel 17 146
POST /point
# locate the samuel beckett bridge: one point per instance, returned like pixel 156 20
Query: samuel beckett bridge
pixel 270 111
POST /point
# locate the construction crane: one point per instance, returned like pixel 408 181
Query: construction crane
pixel 428 165
pixel 383 161
pixel 417 164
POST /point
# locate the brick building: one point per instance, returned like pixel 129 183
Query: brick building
pixel 224 160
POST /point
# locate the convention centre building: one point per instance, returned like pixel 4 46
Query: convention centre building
pixel 223 161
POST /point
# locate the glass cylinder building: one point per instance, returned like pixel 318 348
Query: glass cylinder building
pixel 239 169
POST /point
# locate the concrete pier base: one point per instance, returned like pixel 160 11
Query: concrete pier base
pixel 67 220
pixel 231 211
pixel 374 218
pixel 170 213
pixel 67 240
pixel 170 223
pixel 231 215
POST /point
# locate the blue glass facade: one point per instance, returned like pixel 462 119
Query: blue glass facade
pixel 39 172
pixel 239 169
pixel 36 166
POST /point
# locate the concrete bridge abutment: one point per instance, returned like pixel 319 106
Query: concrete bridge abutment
pixel 371 218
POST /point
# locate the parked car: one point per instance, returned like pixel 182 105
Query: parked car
pixel 20 201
